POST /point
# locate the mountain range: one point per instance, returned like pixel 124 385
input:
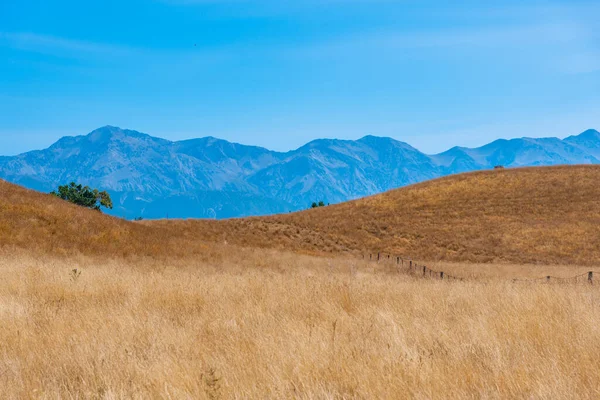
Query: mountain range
pixel 208 177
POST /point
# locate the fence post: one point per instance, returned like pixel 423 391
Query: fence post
pixel 548 278
pixel 424 270
pixel 591 277
pixel 370 256
pixel 442 275
pixel 397 260
pixel 410 264
pixel 378 256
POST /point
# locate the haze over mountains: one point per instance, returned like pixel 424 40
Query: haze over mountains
pixel 212 178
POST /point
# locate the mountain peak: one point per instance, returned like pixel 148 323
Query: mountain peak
pixel 109 133
pixel 108 128
pixel 103 133
pixel 589 133
pixel 320 143
pixel 385 142
pixel 373 138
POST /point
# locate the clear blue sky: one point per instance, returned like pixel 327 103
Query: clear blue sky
pixel 279 73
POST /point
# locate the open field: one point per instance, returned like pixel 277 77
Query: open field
pixel 285 306
pixel 278 325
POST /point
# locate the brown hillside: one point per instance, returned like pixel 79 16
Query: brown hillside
pixel 43 224
pixel 528 215
pixel 535 215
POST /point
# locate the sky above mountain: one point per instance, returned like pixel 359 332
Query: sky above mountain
pixel 281 73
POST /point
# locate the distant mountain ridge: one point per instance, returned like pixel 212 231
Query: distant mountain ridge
pixel 213 178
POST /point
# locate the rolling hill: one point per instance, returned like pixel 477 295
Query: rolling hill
pixel 530 215
pixel 41 224
pixel 544 215
pixel 213 178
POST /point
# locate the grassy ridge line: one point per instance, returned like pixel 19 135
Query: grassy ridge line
pixel 545 215
pixel 532 215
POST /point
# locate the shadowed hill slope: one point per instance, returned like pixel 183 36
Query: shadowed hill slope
pixel 529 215
pixel 532 215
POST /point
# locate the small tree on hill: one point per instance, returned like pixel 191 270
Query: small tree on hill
pixel 84 196
pixel 319 204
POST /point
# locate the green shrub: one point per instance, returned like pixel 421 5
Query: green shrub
pixel 84 196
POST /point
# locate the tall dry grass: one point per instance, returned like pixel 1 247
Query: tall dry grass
pixel 278 325
pixel 167 310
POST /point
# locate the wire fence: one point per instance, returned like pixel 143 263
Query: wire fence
pixel 416 269
pixel 586 277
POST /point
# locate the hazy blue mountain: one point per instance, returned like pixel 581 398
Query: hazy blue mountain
pixel 150 176
pixel 588 141
pixel 516 153
pixel 339 170
pixel 213 178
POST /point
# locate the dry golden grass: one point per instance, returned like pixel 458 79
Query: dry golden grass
pixel 44 224
pixel 545 215
pixel 507 271
pixel 279 325
pixel 166 309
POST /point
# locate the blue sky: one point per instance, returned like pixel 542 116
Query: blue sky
pixel 279 73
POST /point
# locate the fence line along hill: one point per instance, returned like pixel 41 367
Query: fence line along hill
pixel 546 215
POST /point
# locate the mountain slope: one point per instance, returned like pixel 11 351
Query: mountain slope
pixel 190 178
pixel 213 178
pixel 588 141
pixel 339 170
pixel 519 153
